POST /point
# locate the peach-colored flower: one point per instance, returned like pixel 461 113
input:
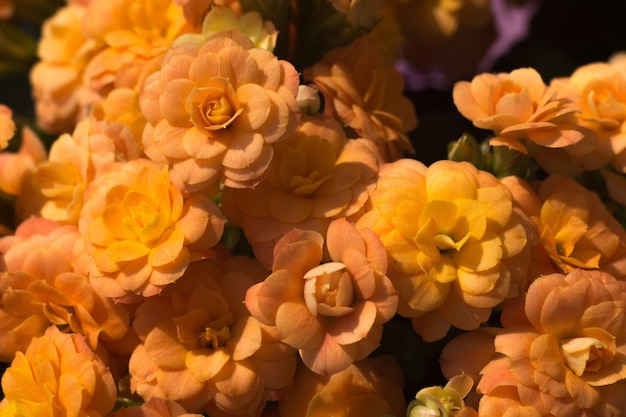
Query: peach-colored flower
pixel 333 312
pixel 365 92
pixel 64 51
pixel 457 243
pixel 154 407
pixel 16 168
pixel 562 350
pixel 58 374
pixel 371 387
pixel 40 287
pixel 520 110
pixel 55 188
pixel 575 228
pixel 316 175
pixel 134 33
pixel 599 90
pixel 7 126
pixel 139 233
pixel 201 348
pixel 215 110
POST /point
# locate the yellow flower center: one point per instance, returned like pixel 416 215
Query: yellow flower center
pixel 328 290
pixel 214 107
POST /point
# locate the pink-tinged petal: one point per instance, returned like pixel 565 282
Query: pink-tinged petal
pixel 264 299
pixel 196 143
pixel 297 326
pixel 256 107
pixel 303 246
pixel 355 326
pixel 172 99
pixel 329 357
pixel 180 384
pixel 341 236
pixel 288 207
pixel 244 149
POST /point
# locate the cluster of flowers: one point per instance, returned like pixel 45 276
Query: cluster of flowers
pixel 221 231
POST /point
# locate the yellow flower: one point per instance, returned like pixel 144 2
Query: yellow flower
pixel 457 244
pixel 55 188
pixel 371 387
pixel 57 375
pixel 333 312
pixel 139 233
pixel 365 92
pixel 316 175
pixel 215 110
pixel 520 110
pixel 40 287
pixel 262 33
pixel 201 348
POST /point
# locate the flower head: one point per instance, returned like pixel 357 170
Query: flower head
pixel 520 110
pixel 562 351
pixel 457 244
pixel 215 109
pixel 55 188
pixel 333 312
pixel 365 92
pixel 58 374
pixel 317 175
pixel 139 232
pixel 7 126
pixel 201 348
pixel 64 51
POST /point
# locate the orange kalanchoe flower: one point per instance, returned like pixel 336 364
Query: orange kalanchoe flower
pixel 333 312
pixel 562 351
pixel 520 110
pixel 154 407
pixel 55 188
pixel 58 374
pixel 599 90
pixel 40 287
pixel 577 230
pixel 457 244
pixel 201 348
pixel 317 175
pixel 64 51
pixel 16 168
pixel 139 233
pixel 216 109
pixel 134 33
pixel 366 93
pixel 371 387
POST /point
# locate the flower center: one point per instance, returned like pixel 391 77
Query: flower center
pixel 213 107
pixel 328 290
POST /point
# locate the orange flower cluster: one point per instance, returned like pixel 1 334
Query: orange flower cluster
pixel 228 222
